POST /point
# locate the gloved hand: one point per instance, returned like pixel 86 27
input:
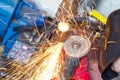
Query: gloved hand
pixel 109 74
pixel 81 72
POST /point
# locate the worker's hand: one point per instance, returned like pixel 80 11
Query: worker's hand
pixel 116 65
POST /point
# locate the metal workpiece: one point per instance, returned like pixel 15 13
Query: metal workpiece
pixel 77 46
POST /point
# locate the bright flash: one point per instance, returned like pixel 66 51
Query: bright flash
pixel 63 26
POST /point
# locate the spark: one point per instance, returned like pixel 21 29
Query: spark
pixel 44 66
pixel 63 26
pixel 111 42
pixel 50 63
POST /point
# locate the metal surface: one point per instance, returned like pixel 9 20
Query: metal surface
pixel 76 46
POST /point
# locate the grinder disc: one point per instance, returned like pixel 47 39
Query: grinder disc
pixel 77 46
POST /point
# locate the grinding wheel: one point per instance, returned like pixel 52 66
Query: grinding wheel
pixel 76 46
